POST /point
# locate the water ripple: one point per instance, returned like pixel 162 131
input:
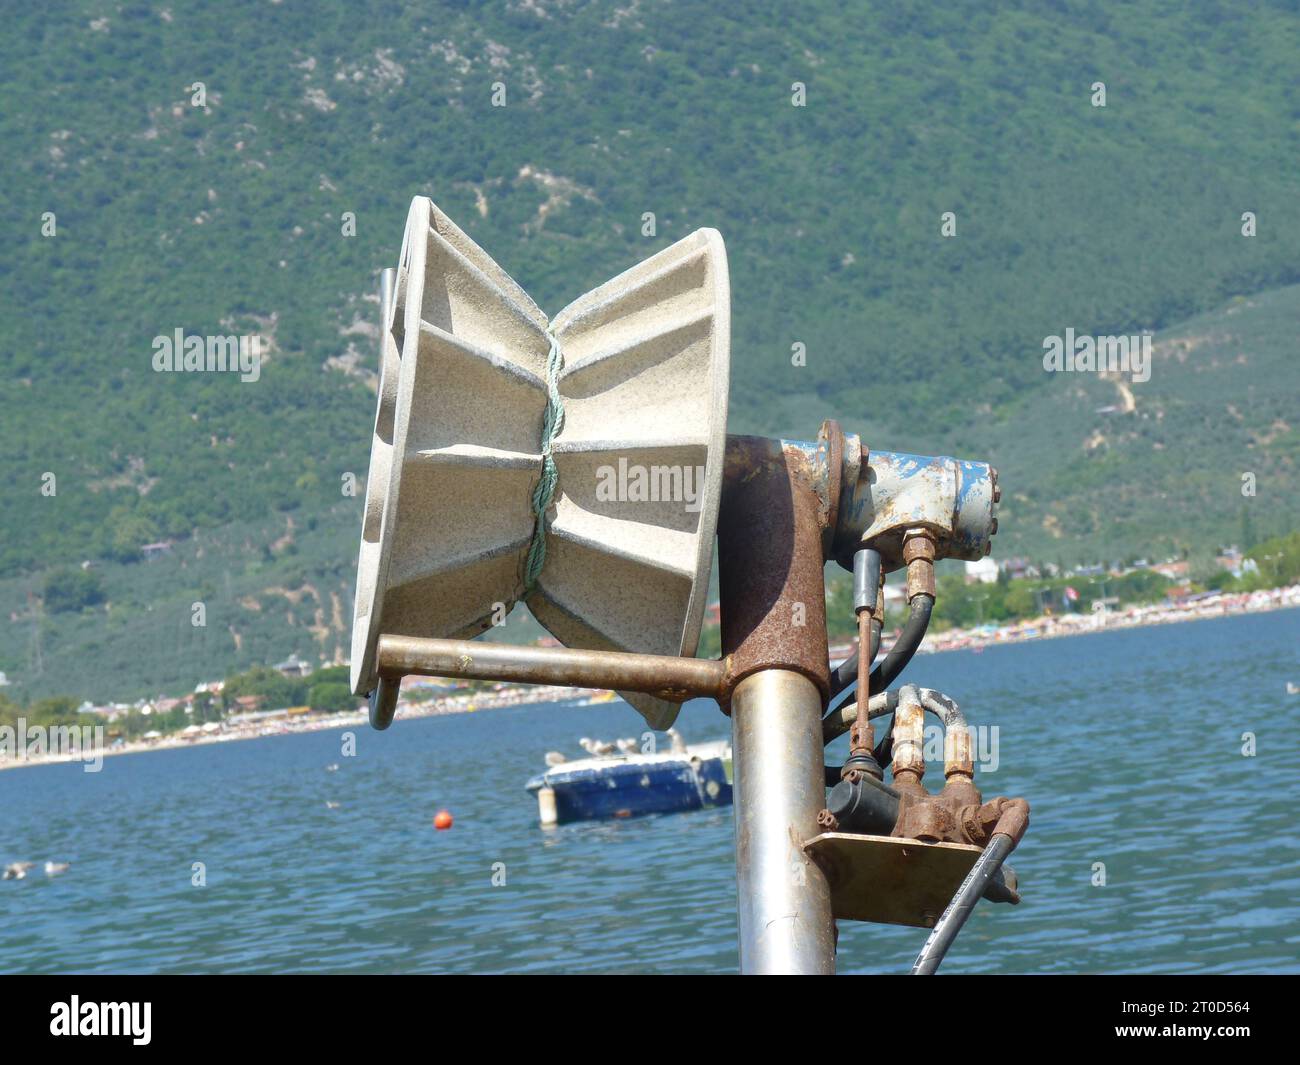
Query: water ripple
pixel 1128 745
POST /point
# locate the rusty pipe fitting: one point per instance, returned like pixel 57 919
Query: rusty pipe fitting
pixel 1014 821
pixel 1009 817
pixel 908 765
pixel 962 797
pixel 918 554
pixel 774 510
pixel 958 756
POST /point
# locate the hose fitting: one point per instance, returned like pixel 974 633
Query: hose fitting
pixel 908 766
pixel 918 553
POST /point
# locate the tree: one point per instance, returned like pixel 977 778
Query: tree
pixel 331 697
pixel 1020 601
pixel 205 708
pixel 278 690
pixel 330 675
pixel 128 531
pixel 10 711
pixel 72 589
pixel 55 710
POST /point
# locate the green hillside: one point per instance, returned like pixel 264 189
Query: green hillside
pixel 228 217
pixel 268 590
pixel 1102 470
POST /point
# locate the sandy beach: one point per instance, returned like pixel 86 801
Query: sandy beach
pixel 1041 628
pixel 461 703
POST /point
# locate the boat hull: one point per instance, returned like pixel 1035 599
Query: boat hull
pixel 634 788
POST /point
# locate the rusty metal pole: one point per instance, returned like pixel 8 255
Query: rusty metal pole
pixel 774 631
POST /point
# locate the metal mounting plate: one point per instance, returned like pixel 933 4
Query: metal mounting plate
pixel 889 880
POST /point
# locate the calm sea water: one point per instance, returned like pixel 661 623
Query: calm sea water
pixel 1127 744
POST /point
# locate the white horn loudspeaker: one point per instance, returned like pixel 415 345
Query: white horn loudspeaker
pixel 572 463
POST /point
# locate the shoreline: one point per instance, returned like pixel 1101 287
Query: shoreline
pixel 1056 626
pixel 465 703
pixel 1046 627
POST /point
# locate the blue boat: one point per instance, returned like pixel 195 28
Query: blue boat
pixel 629 784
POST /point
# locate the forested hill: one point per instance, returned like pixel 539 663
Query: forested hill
pixel 194 166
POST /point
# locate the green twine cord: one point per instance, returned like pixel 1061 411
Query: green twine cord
pixel 552 423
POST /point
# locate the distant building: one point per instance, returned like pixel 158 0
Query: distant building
pixel 293 666
pixel 1173 570
pixel 152 551
pixel 985 571
pixel 1229 558
pixel 1018 568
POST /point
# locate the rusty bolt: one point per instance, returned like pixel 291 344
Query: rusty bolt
pixel 827 821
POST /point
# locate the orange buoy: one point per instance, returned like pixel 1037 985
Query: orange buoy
pixel 442 820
